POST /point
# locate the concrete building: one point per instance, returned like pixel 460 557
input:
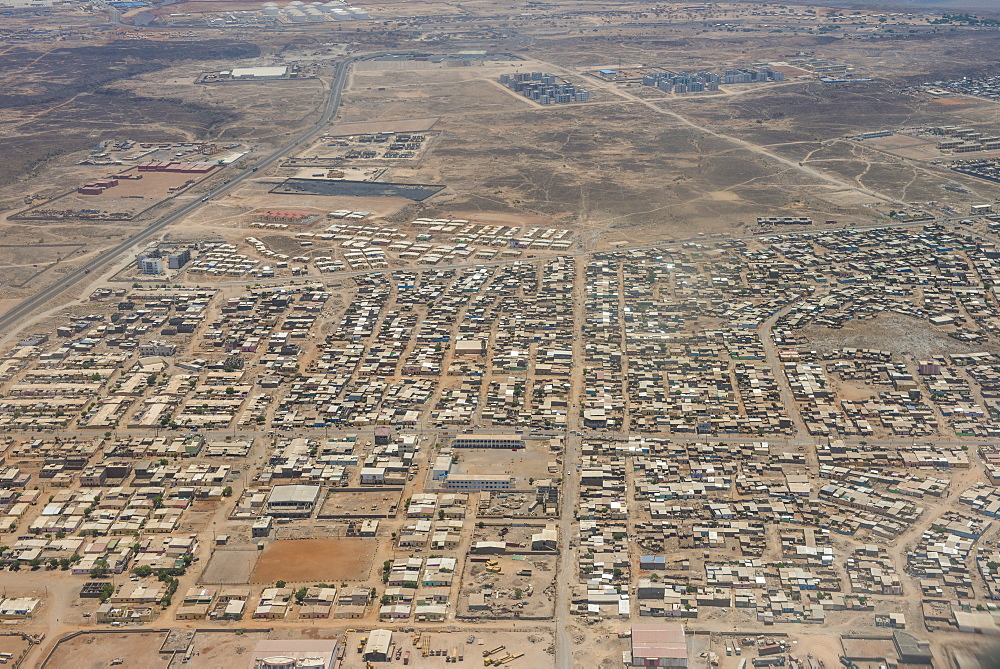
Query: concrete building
pixel 508 441
pixel 261 527
pixel 292 501
pixel 911 650
pixel 158 348
pixel 546 540
pixel 151 266
pixel 478 482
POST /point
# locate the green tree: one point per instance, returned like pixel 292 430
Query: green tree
pixel 300 594
pixel 279 584
pixel 106 591
pixel 100 569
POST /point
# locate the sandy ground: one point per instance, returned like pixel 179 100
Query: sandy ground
pixel 98 650
pixel 399 125
pixel 314 560
pixel 224 650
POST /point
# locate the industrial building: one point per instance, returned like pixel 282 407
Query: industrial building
pixel 97 187
pixel 292 501
pixel 661 645
pixel 377 646
pixel 175 166
pixel 294 654
pixel 257 72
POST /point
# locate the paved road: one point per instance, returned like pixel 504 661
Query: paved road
pixel 26 308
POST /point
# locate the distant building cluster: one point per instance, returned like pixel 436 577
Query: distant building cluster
pixel 683 82
pixel 987 87
pixel 783 220
pixel 299 12
pixel 544 88
pixel 964 140
pixel 987 170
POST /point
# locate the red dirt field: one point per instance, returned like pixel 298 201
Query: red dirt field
pixel 315 561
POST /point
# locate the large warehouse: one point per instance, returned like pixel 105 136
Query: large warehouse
pixel 258 72
pixel 287 654
pixel 657 645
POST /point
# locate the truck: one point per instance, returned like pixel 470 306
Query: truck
pixel 406 658
pixel 775 661
pixel 487 653
pixel 770 649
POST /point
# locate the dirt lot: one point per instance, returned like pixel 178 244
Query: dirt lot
pixel 869 648
pixel 512 504
pixel 535 645
pixel 15 645
pixel 530 462
pixel 537 589
pixel 230 567
pixel 152 185
pixel 315 560
pixel 353 504
pixel 94 650
pixel 893 332
pixel 397 125
pixel 225 650
pixel 130 196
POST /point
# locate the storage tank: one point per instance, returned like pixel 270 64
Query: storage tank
pixel 278 662
pixel 272 11
pixel 341 15
pixel 295 16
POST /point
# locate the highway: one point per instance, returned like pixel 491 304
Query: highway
pixel 15 315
